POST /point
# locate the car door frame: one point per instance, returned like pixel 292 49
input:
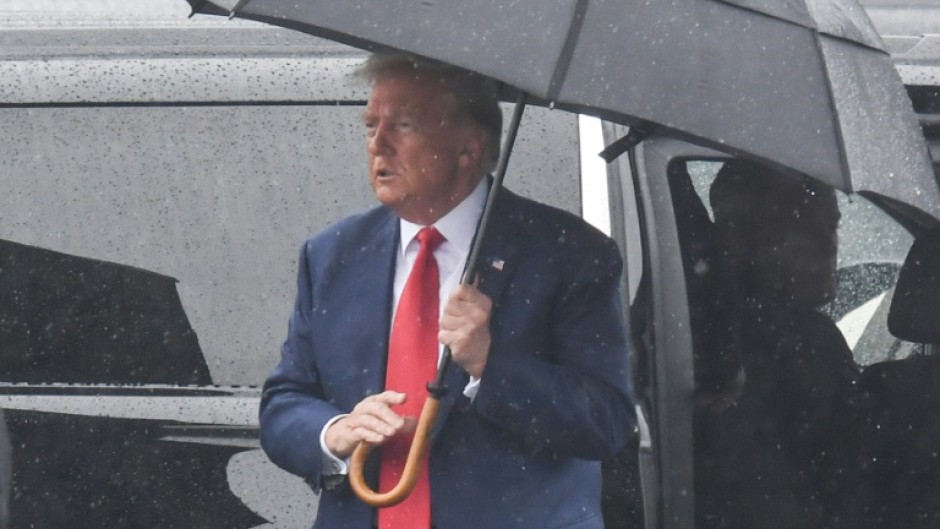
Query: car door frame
pixel 640 193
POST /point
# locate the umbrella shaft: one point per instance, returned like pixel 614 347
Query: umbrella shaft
pixel 436 388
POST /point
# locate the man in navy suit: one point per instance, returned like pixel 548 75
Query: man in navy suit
pixel 540 392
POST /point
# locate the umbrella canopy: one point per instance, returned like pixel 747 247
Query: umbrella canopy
pixel 803 85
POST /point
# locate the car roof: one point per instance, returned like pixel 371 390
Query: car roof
pixel 909 28
pixel 101 28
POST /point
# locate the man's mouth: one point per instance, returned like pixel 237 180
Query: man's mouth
pixel 383 172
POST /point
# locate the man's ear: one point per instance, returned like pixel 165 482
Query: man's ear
pixel 472 147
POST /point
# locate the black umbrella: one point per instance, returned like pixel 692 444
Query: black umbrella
pixel 802 85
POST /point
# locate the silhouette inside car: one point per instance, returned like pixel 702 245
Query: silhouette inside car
pixel 784 452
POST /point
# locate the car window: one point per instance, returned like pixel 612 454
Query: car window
pixel 872 247
pixel 218 198
pixel 807 408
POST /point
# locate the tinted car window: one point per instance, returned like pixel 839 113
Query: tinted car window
pixel 806 411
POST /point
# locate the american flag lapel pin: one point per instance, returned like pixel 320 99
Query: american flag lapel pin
pixel 498 264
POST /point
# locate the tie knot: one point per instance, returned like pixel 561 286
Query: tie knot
pixel 429 238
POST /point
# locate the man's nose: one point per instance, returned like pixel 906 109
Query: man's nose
pixel 379 141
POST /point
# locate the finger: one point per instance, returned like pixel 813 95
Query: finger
pixel 344 435
pixel 472 296
pixel 449 322
pixel 446 337
pixel 381 404
pixel 464 317
pixel 379 425
pixel 463 293
pixel 390 398
pixel 477 306
pixel 411 424
pixel 378 407
pixel 475 282
pixel 374 431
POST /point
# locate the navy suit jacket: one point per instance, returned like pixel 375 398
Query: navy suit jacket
pixel 554 398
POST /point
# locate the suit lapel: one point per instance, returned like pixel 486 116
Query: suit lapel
pixel 502 246
pixel 373 271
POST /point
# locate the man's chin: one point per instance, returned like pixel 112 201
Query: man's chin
pixel 387 197
pixel 394 200
pixel 386 191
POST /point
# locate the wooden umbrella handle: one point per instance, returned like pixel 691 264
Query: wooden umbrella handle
pixel 416 454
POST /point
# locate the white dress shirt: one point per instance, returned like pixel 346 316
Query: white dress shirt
pixel 458 228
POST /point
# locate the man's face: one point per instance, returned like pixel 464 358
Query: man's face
pixel 787 240
pixel 797 254
pixel 422 161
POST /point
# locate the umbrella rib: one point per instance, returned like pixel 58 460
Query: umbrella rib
pixel 567 50
pixel 238 7
pixel 840 139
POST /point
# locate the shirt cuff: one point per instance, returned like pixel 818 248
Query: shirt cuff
pixel 471 389
pixel 332 465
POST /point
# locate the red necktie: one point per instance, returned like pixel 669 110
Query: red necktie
pixel 412 363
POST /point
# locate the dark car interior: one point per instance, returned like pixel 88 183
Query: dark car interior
pixel 791 430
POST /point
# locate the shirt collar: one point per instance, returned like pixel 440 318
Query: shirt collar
pixel 458 226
